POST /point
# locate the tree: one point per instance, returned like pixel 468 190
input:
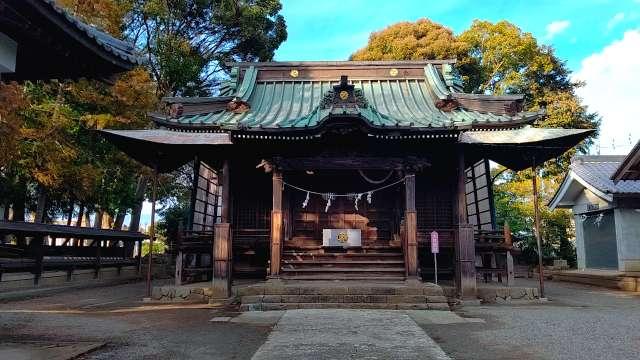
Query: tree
pixel 499 58
pixel 187 42
pixel 423 39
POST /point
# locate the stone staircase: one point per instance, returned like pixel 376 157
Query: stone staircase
pixel 360 265
pixel 393 295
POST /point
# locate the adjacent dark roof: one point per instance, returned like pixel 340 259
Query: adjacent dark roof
pixel 54 44
pixel 594 173
pixel 121 49
pixel 629 169
pixel 390 94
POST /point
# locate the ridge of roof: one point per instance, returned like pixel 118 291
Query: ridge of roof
pixel 624 171
pixel 416 63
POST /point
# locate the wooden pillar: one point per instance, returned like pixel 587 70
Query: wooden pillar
pixel 276 224
pixel 179 255
pixel 152 230
pixel 411 227
pixel 98 260
pixel 536 215
pixel 465 244
pixel 222 246
pixel 509 243
pixel 38 254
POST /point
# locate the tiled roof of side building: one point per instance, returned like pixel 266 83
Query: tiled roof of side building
pixel 121 49
pixel 415 95
pixel 597 171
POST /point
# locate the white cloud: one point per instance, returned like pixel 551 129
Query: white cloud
pixel 556 27
pixel 612 79
pixel 615 20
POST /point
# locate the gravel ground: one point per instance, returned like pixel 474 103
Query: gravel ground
pixel 579 322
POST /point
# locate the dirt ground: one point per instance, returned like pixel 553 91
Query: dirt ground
pixel 129 329
pixel 579 322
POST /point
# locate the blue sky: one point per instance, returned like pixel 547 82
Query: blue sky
pixel 333 29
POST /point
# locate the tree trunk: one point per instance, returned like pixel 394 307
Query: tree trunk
pixel 76 242
pixel 97 221
pixel 134 224
pixel 107 221
pixel 80 215
pixel 18 214
pixel 119 221
pixel 5 211
pixel 41 208
pixel 70 213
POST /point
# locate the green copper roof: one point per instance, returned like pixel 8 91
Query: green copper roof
pixel 290 103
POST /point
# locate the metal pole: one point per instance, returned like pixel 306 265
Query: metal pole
pixel 435 267
pixel 152 228
pixel 536 213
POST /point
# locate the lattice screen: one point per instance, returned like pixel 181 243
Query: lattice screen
pixel 480 196
pixel 207 198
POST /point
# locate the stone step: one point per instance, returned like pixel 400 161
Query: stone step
pixel 332 262
pixel 364 298
pixel 336 277
pixel 327 269
pixel 382 306
pixel 345 288
pixel 336 255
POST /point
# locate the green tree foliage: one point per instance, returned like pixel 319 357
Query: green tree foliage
pixel 499 58
pixel 187 42
pixel 514 205
pixel 423 39
pixel 159 247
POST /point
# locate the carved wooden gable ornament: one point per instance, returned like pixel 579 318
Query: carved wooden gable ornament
pixel 344 95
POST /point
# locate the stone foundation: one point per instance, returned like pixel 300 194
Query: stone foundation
pixel 498 294
pixel 604 278
pixel 199 292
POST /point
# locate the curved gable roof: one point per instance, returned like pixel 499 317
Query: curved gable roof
pixel 398 94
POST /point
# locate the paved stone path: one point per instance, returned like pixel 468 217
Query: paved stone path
pixel 348 334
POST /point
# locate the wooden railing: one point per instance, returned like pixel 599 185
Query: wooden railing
pixel 107 248
pixel 194 256
pixel 495 251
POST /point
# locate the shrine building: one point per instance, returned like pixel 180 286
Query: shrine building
pixel 312 171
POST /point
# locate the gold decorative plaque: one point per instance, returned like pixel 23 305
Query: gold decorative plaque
pixel 294 73
pixel 342 237
pixel 344 95
pixel 393 72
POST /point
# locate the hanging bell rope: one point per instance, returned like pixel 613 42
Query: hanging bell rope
pixel 375 182
pixel 330 196
pixel 351 194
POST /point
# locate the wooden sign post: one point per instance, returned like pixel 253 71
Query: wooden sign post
pixel 435 248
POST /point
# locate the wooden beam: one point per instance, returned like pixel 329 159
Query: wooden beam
pixel 276 224
pixel 411 231
pixel 465 243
